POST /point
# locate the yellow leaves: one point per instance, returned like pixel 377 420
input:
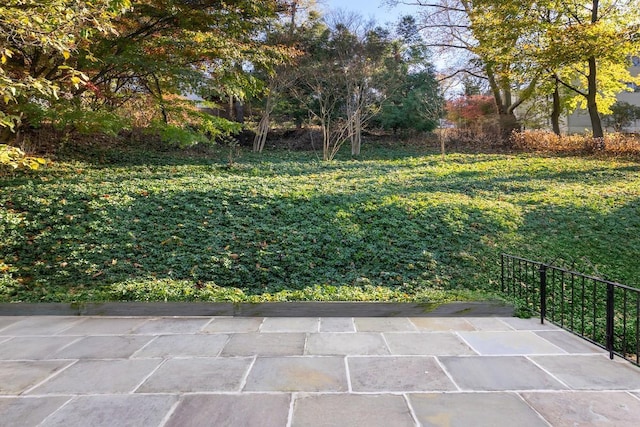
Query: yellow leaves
pixel 17 159
pixel 6 53
pixel 75 81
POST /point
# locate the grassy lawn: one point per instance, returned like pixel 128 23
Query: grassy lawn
pixel 397 225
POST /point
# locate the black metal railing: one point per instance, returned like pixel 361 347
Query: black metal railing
pixel 603 312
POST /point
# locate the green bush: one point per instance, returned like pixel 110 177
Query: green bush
pixel 15 158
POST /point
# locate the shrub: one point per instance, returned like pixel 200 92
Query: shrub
pixel 15 158
pixel 540 140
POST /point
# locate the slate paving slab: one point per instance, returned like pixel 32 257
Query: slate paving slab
pixel 184 346
pixel 287 374
pixel 384 324
pixel 234 325
pixel 343 344
pixel 115 410
pixel 590 373
pixel 172 325
pixel 587 408
pixel 509 342
pixel 473 409
pixel 99 377
pixel 33 348
pixel 441 324
pixel 351 410
pixel 40 325
pixel 488 324
pixel 392 374
pixel 569 342
pixel 105 326
pixel 337 324
pixel 264 410
pixel 290 324
pixel 6 321
pixel 532 324
pixel 28 411
pixel 435 344
pixel 197 375
pixel 271 344
pixel 18 376
pixel 498 373
pixel 102 347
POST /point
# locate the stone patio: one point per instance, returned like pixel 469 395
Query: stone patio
pixel 307 371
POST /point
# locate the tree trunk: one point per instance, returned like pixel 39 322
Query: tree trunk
pixel 238 107
pixel 356 138
pixel 592 106
pixel 326 141
pixel 263 130
pixel 508 124
pixel 555 112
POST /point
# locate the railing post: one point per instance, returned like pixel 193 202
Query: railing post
pixel 609 326
pixel 543 292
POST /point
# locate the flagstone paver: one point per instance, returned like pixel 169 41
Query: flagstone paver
pixel 264 410
pixel 197 375
pixel 474 409
pixel 184 346
pixel 102 347
pixel 434 344
pixel 495 373
pixel 589 373
pixel 568 342
pixel 109 411
pixel 435 324
pixel 33 348
pixel 337 324
pixel 587 408
pixel 290 324
pixel 509 342
pixel 105 326
pixel 99 377
pixel 172 325
pixel 6 321
pixel 285 374
pixel 351 410
pixel 343 344
pixel 265 344
pixel 40 325
pixel 378 374
pixel 18 376
pixel 384 324
pixel 488 324
pixel 29 411
pixel 532 324
pixel 234 325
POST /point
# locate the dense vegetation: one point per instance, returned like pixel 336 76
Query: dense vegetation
pixel 398 224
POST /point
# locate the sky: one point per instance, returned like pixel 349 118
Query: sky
pixel 369 9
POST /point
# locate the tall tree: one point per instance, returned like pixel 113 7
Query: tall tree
pixel 413 100
pixel 299 23
pixel 40 43
pixel 591 48
pixel 522 44
pixel 457 25
pixel 158 47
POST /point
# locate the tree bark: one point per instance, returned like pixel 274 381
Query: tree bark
pixel 555 112
pixel 592 106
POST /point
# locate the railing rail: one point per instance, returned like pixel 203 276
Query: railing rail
pixel 603 312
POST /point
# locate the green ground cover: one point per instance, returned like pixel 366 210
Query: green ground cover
pixel 397 225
